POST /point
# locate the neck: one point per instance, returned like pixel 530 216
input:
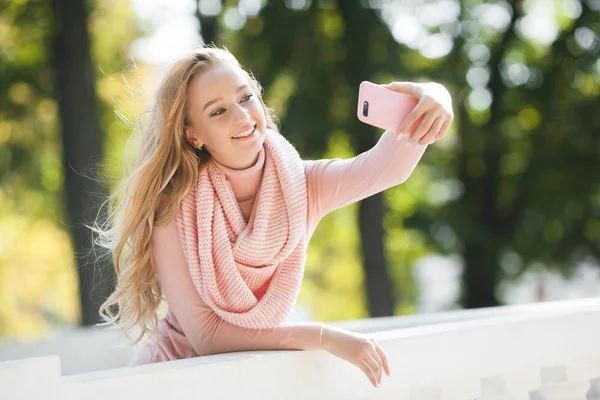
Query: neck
pixel 245 182
pixel 229 167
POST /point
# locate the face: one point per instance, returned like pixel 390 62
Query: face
pixel 226 116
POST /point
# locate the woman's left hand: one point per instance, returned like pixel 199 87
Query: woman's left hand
pixel 435 106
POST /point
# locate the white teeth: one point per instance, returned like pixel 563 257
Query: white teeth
pixel 244 134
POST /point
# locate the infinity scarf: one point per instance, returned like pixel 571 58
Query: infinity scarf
pixel 248 273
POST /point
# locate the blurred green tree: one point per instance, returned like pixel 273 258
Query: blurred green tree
pixel 513 186
pixel 511 190
pixel 75 91
pixel 39 287
pixel 522 165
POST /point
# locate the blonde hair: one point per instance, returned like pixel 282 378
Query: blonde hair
pixel 166 168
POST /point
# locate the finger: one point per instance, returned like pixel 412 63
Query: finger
pixel 377 356
pixel 383 357
pixel 375 366
pixel 402 87
pixel 374 358
pixel 433 131
pixel 423 128
pixel 369 372
pixel 414 115
pixel 444 129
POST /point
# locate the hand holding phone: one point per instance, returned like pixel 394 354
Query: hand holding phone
pixel 384 108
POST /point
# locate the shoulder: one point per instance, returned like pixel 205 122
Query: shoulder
pixel 165 232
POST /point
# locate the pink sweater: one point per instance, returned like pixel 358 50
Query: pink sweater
pixel 191 328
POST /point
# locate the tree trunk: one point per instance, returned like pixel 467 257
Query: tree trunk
pixel 82 147
pixel 208 26
pixel 480 276
pixel 379 287
pixel 380 297
pixel 482 270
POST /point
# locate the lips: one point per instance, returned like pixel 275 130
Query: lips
pixel 245 132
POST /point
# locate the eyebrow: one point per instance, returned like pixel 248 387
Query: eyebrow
pixel 220 98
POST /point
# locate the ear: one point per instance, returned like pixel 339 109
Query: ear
pixel 190 137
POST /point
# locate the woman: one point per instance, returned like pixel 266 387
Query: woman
pixel 219 209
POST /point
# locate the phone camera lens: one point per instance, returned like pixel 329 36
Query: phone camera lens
pixel 365 108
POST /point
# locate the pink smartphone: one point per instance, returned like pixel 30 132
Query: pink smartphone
pixel 383 107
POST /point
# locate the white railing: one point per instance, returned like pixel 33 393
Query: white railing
pixel 549 351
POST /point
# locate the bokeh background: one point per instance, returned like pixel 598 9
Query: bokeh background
pixel 505 209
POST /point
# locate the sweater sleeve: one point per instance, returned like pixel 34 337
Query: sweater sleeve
pixel 333 183
pixel 207 332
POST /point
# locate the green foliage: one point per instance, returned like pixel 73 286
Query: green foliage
pixel 514 184
pixel 36 272
pixel 513 175
pixel 334 275
pixel 38 280
pixel 524 163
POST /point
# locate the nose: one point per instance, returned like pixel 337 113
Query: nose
pixel 241 115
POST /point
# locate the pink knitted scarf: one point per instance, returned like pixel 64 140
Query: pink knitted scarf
pixel 248 273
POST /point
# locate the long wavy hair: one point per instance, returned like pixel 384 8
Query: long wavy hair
pixel 148 194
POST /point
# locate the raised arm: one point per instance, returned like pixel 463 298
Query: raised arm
pixel 333 183
pixel 207 332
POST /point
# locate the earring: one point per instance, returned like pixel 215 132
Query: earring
pixel 200 148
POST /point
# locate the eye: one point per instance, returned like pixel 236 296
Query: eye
pixel 222 110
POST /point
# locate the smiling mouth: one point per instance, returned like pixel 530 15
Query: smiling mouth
pixel 246 133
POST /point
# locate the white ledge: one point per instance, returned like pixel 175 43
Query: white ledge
pixel 491 351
